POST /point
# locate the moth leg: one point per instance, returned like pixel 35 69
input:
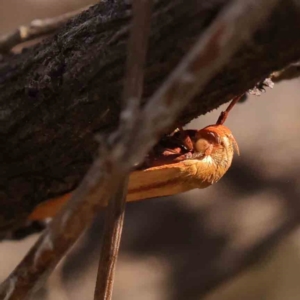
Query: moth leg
pixel 185 139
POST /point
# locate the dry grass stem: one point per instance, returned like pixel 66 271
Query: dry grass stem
pixel 133 88
pixel 37 28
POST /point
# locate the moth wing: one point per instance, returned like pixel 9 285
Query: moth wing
pixel 159 181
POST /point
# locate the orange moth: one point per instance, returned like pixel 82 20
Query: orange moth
pixel 185 160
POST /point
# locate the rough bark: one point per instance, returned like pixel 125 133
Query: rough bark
pixel 56 95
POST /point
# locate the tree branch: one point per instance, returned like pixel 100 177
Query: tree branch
pixel 56 95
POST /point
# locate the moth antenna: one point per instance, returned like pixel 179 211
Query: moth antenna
pixel 235 145
pixel 224 114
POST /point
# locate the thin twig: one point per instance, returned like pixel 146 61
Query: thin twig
pixel 133 88
pixel 290 72
pixel 35 29
pixel 211 52
pixel 111 243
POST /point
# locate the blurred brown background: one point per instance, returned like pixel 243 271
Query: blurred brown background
pixel 172 246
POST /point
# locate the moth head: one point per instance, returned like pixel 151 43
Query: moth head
pixel 215 140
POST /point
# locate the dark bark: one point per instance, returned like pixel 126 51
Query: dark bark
pixel 55 96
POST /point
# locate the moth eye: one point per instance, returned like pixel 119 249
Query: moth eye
pixel 201 145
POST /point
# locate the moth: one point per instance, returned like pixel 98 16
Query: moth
pixel 181 161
